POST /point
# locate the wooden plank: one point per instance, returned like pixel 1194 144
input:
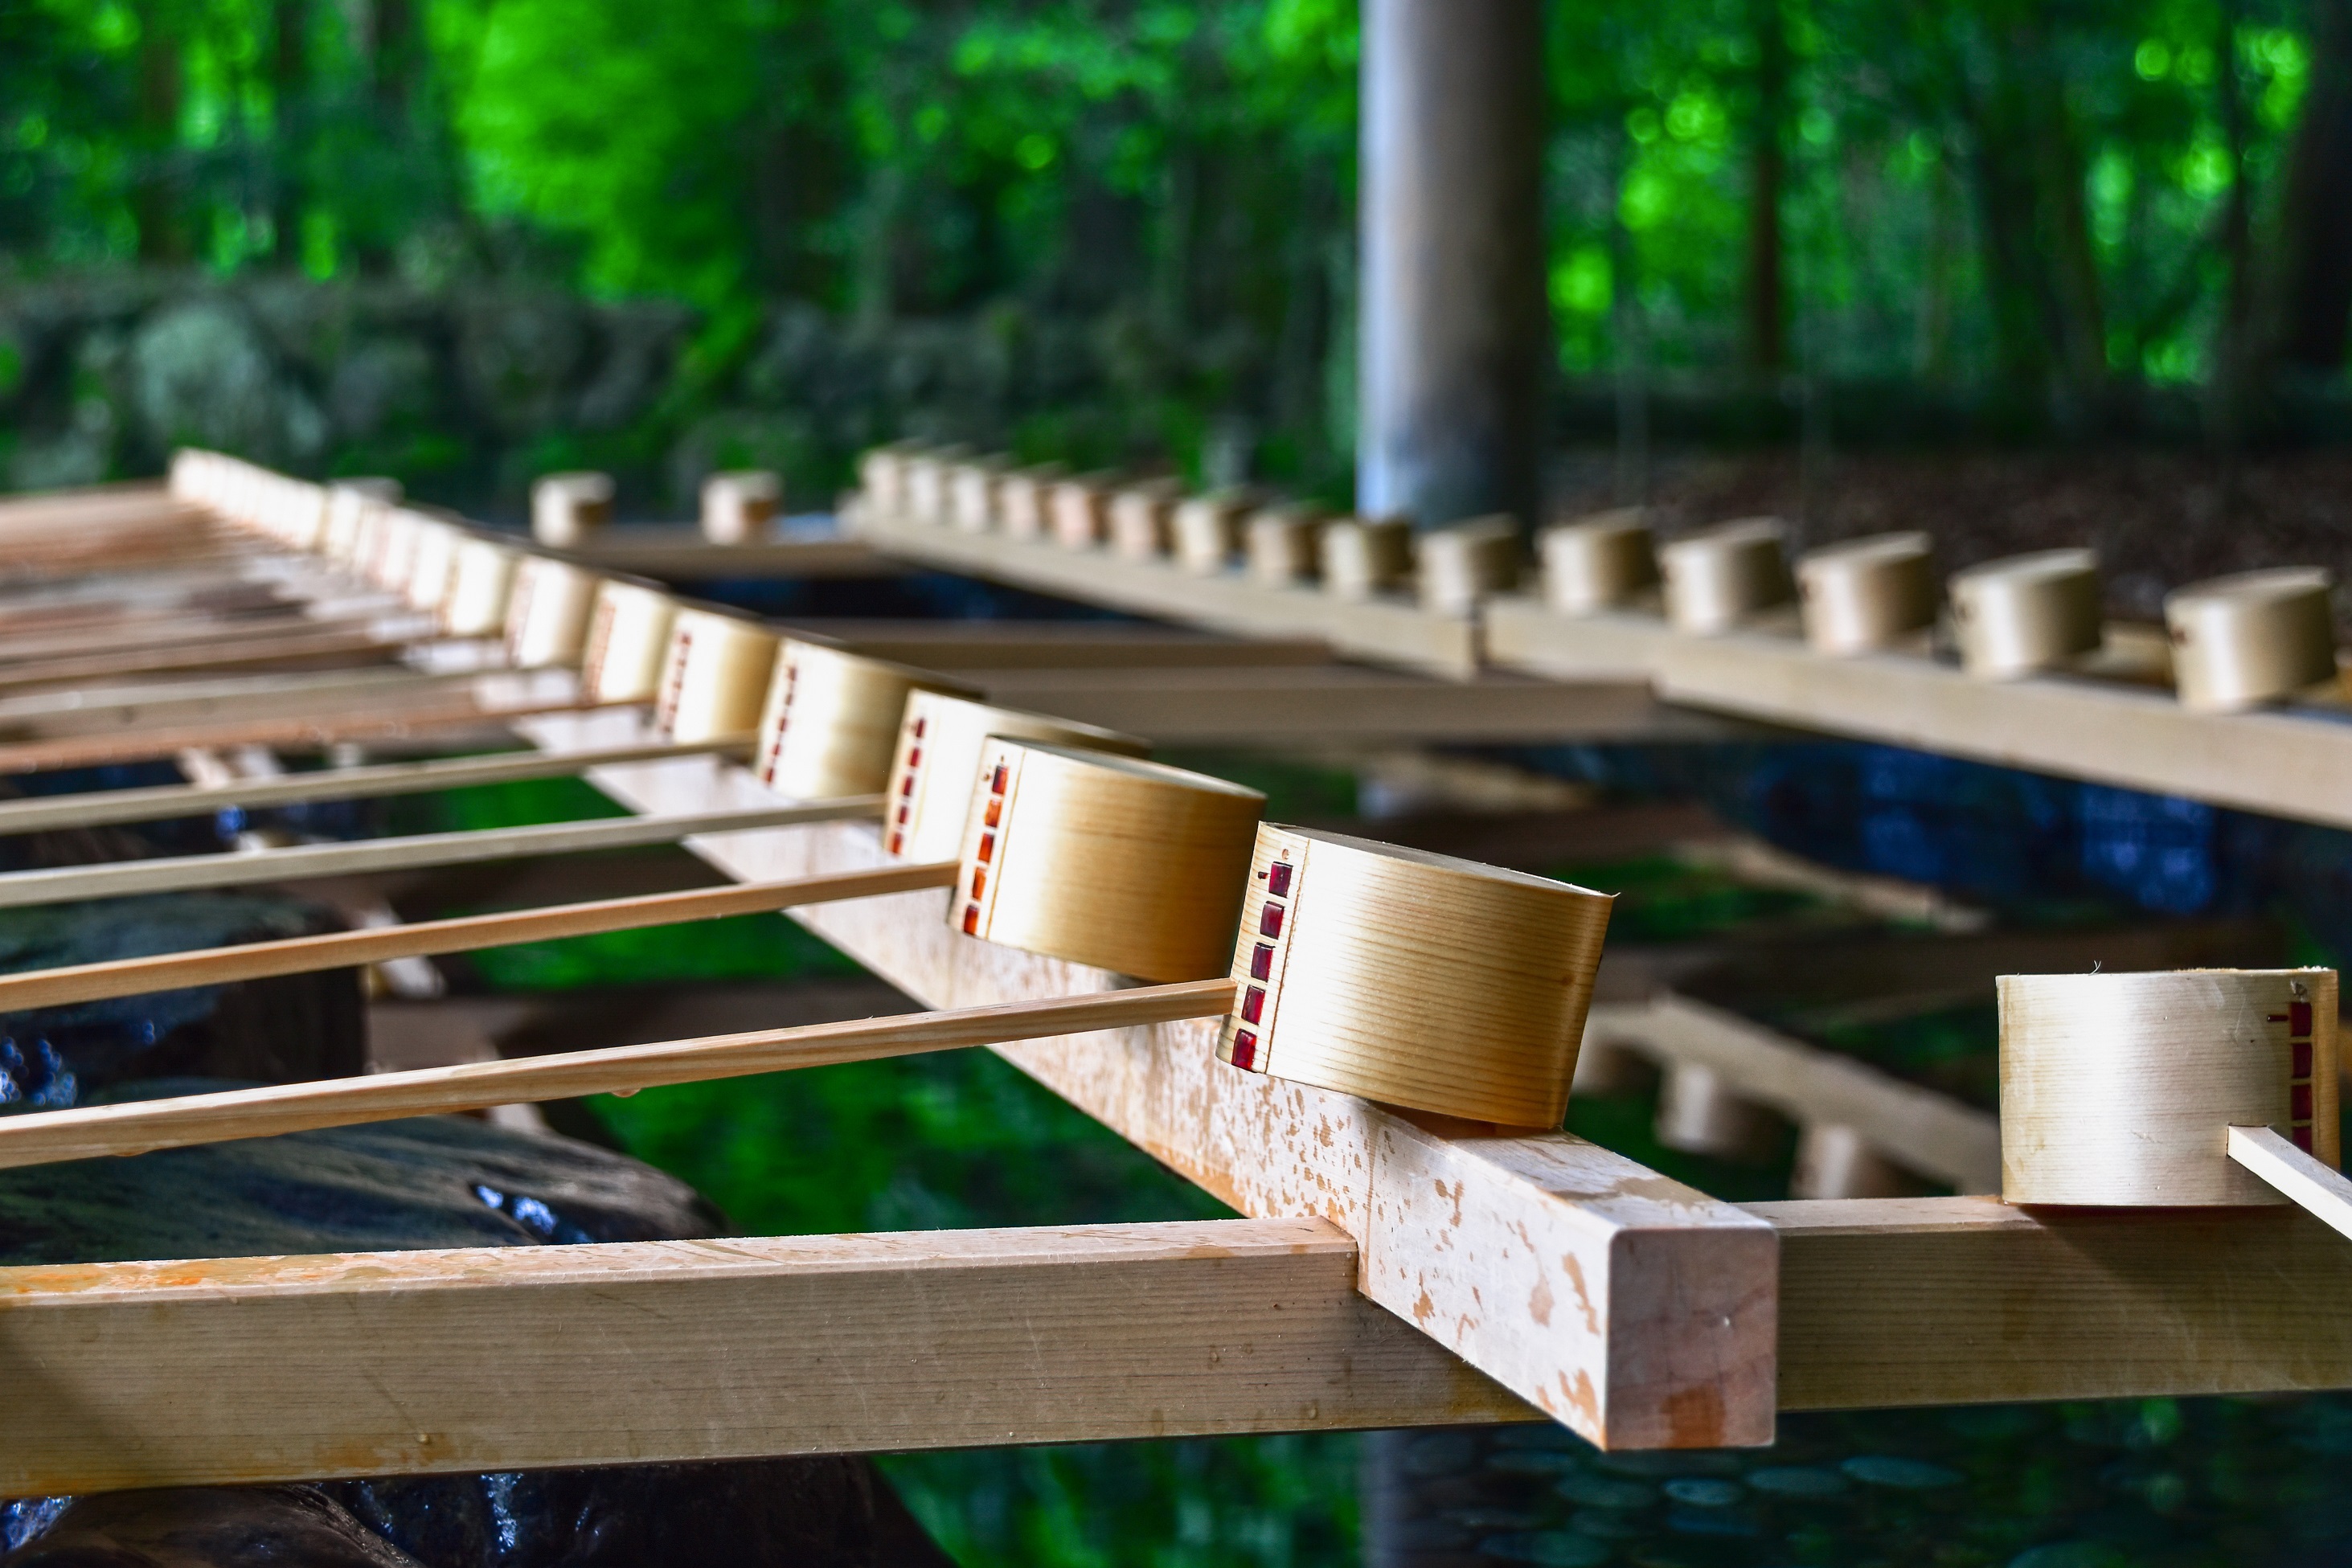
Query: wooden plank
pixel 151 722
pixel 1055 644
pixel 160 802
pixel 244 868
pixel 222 1372
pixel 2282 762
pixel 185 699
pixel 274 619
pixel 1636 1309
pixel 682 555
pixel 2317 1187
pixel 1917 1128
pixel 446 723
pixel 1387 631
pixel 319 647
pixel 1622 645
pixel 1961 1301
pixel 1325 703
pixel 92 1131
pixel 39 509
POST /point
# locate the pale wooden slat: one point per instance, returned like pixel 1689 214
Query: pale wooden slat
pixel 157 803
pixel 135 704
pixel 441 715
pixel 47 1137
pixel 221 1372
pixel 425 938
pixel 2318 1186
pixel 1636 1309
pixel 320 646
pixel 243 868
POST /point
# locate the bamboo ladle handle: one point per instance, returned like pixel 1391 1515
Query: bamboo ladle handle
pixel 2311 1183
pixel 342 949
pixel 86 1133
pixel 161 803
pixel 242 868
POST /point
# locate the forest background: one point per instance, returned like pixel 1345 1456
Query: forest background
pixel 466 240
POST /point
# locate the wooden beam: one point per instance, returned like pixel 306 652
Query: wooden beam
pixel 682 555
pixel 1325 703
pixel 1055 644
pixel 1961 1301
pixel 1387 631
pixel 231 1371
pixel 244 868
pixel 2288 762
pixel 1636 1309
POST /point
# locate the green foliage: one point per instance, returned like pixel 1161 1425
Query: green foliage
pixel 1987 191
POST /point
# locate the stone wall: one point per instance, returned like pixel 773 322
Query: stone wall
pixel 467 392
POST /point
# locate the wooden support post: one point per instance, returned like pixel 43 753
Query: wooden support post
pixel 1453 327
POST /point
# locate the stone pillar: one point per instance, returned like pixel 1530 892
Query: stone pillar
pixel 1454 332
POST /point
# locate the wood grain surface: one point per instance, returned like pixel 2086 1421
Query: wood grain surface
pixel 218 1371
pixel 1103 860
pixel 1412 978
pixel 2121 1089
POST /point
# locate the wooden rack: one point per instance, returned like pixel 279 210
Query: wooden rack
pixel 1391 1270
pixel 2286 762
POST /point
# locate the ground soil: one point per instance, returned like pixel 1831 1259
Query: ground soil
pixel 2158 520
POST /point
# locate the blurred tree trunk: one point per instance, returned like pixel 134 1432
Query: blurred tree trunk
pixel 2042 271
pixel 2316 304
pixel 289 87
pixel 2077 315
pixel 393 56
pixel 394 64
pixel 155 187
pixel 2228 385
pixel 1767 302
